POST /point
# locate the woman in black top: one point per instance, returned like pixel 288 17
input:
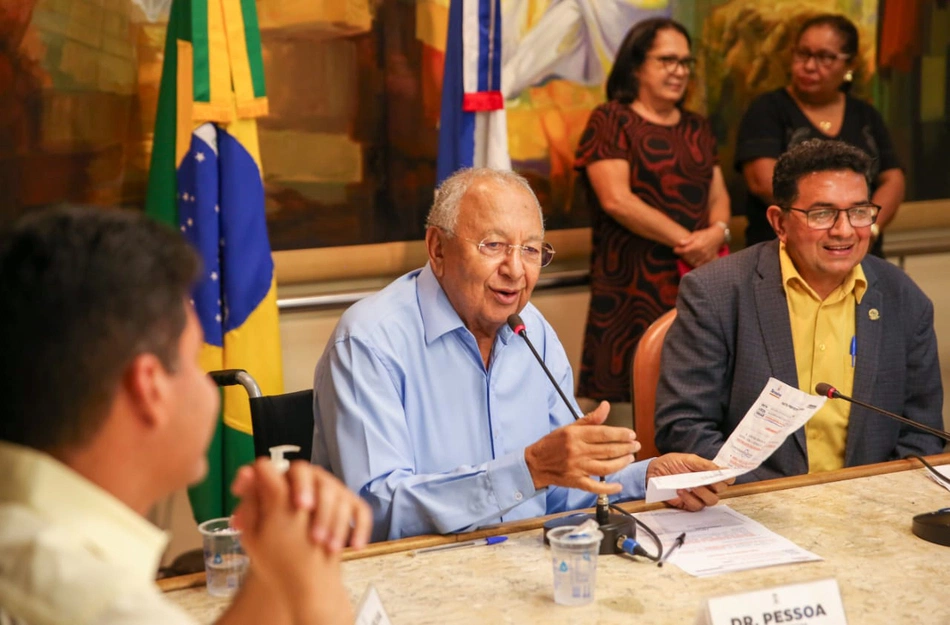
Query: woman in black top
pixel 816 105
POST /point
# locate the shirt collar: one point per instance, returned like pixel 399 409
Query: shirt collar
pixel 855 280
pixel 438 315
pixel 99 522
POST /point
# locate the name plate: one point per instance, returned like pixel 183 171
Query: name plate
pixel 814 603
pixel 370 610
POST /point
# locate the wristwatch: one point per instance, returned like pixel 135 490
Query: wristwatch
pixel 725 230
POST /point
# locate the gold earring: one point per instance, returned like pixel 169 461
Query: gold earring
pixel 848 76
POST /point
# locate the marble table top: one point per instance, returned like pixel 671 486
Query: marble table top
pixel 860 526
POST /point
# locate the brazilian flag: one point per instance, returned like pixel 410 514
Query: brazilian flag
pixel 206 179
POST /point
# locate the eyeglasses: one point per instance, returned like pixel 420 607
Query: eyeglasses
pixel 860 216
pixel 823 58
pixel 540 254
pixel 670 63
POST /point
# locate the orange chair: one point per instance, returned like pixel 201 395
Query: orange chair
pixel 645 376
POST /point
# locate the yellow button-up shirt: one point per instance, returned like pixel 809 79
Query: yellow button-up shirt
pixel 823 332
pixel 72 553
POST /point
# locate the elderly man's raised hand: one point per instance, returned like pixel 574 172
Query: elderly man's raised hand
pixel 570 455
pixel 693 499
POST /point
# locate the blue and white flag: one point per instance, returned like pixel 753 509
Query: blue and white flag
pixel 473 131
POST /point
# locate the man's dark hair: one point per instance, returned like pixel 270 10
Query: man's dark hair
pixel 622 83
pixel 83 291
pixel 814 155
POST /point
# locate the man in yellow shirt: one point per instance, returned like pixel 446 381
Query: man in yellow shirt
pixel 106 412
pixel 810 307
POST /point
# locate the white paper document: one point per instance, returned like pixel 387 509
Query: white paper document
pixel 721 540
pixel 779 410
pixel 664 488
pixel 944 471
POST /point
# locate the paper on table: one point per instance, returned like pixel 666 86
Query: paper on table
pixel 721 540
pixel 779 410
pixel 944 471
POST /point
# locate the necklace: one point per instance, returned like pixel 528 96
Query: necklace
pixel 809 109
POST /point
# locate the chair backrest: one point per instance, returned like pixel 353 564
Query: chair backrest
pixel 646 375
pixel 283 420
pixel 276 419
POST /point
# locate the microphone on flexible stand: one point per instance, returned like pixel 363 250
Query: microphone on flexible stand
pixel 611 525
pixel 831 392
pixel 517 326
pixel 931 526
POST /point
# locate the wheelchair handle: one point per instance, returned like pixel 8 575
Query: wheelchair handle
pixel 235 377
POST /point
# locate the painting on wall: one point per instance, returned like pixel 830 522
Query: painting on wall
pixel 556 56
pixel 745 49
pixel 69 102
pixel 349 148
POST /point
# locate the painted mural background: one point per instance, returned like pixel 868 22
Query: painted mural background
pixel 354 86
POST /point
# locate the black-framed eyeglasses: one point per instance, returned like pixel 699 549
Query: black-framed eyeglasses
pixel 540 254
pixel 822 57
pixel 670 63
pixel 860 216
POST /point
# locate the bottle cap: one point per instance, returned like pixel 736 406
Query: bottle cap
pixel 277 456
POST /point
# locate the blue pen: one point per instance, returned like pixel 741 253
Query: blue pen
pixel 491 540
pixel 854 349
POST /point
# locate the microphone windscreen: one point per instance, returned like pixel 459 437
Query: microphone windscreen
pixel 515 323
pixel 825 390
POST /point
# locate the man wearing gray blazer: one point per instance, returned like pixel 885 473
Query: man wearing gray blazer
pixel 809 305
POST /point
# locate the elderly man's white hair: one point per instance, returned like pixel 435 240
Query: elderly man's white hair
pixel 448 197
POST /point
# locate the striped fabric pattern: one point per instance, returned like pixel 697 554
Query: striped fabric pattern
pixel 205 178
pixel 473 129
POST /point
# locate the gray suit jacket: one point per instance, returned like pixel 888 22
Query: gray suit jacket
pixel 732 333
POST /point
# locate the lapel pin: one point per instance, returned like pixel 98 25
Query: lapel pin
pixel 873 314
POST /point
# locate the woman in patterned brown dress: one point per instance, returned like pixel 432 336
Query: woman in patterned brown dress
pixel 657 196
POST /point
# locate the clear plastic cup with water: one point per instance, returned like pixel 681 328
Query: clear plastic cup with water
pixel 574 561
pixel 225 560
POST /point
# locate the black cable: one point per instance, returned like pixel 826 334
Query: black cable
pixel 940 476
pixel 650 533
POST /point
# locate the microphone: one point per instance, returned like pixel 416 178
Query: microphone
pixel 931 526
pixel 517 326
pixel 827 390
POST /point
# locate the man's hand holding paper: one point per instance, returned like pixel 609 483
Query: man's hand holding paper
pixel 779 410
pixel 696 494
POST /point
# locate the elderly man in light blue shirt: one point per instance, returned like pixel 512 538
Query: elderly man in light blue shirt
pixel 434 411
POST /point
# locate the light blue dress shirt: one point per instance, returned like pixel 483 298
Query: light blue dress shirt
pixel 407 415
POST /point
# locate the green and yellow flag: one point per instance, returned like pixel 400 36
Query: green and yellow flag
pixel 205 178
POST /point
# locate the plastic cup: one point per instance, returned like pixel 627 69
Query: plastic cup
pixel 225 561
pixel 574 561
